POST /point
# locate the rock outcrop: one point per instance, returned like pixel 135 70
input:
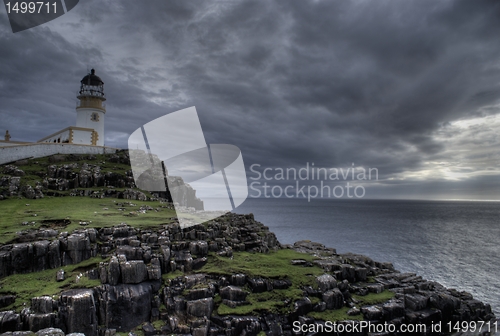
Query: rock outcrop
pixel 156 279
pixel 132 291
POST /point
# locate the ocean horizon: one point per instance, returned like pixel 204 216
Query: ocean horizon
pixel 453 242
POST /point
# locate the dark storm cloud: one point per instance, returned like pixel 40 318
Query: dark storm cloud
pixel 289 82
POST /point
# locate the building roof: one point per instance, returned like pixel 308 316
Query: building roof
pixel 92 79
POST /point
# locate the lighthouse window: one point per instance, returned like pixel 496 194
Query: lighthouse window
pixel 94 117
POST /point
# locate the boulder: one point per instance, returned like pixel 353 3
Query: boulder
pixel 50 332
pixel 114 275
pixel 416 301
pixel 233 293
pixel 78 248
pixel 302 307
pixel 77 308
pixel 393 310
pixel 238 279
pixel 333 299
pixel 199 248
pixel 60 276
pixel 6 300
pixel 37 322
pixel 326 282
pixel 130 252
pixel 200 308
pixel 22 257
pixel 125 306
pixel 445 303
pixel 54 254
pixel 201 293
pixel 43 305
pixel 259 285
pixel 9 321
pixel 373 313
pixel 133 272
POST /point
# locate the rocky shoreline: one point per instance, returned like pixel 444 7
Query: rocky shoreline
pixel 134 291
pixel 229 276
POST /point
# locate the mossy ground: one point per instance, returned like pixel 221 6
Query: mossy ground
pixel 277 265
pixel 102 160
pixel 27 286
pixel 50 211
pixel 272 265
pixel 341 314
pixel 36 169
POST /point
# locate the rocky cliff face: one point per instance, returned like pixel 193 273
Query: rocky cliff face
pixel 164 280
pixel 86 175
pixel 133 291
pixel 132 278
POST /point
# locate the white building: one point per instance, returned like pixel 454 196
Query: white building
pixel 90 111
pixel 88 132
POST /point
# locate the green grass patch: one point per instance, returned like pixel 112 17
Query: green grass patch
pixel 335 315
pixel 102 160
pixel 27 286
pixel 158 324
pixel 276 301
pixel 273 265
pixel 341 314
pixel 52 210
pixel 172 275
pixel 372 298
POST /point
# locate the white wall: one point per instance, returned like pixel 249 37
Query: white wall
pixel 81 137
pixel 14 153
pixel 62 136
pixel 11 143
pixel 83 119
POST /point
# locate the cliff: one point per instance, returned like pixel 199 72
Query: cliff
pixel 104 258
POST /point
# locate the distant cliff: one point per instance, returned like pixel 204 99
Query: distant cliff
pixel 107 175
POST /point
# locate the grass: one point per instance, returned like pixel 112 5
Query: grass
pixel 158 324
pixel 335 315
pixel 273 265
pixel 36 169
pixel 172 275
pixel 372 298
pixel 27 286
pixel 341 314
pixel 77 209
pixel 276 301
pixel 278 265
pixel 41 164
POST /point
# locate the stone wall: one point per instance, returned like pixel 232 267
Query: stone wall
pixel 14 153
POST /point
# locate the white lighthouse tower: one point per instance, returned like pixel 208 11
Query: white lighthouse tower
pixel 90 110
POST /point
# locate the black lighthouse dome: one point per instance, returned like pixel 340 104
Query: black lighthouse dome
pixel 92 79
pixel 92 86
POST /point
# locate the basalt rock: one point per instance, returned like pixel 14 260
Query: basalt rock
pixel 133 292
pixel 125 306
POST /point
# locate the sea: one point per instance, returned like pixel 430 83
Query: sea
pixel 455 243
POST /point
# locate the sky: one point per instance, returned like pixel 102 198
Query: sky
pixel 411 88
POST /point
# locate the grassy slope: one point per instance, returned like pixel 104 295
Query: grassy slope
pixel 277 265
pixel 274 265
pixel 77 209
pixel 26 286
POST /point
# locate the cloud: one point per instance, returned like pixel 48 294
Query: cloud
pixel 330 82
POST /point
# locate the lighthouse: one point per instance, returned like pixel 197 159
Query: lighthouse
pixel 91 109
pixel 86 137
